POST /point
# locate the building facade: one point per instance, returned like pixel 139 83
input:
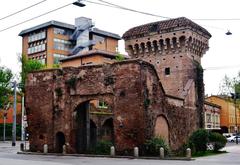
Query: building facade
pixel 157 93
pixel 52 41
pixel 212 116
pixel 229 115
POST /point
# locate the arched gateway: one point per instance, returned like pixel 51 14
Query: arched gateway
pixel 161 128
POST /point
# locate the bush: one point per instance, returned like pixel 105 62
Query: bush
pixel 218 141
pixel 198 141
pixel 8 131
pixel 152 146
pixel 103 147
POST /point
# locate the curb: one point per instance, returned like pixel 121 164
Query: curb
pixel 106 156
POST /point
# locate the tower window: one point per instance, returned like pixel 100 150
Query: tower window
pixel 167 71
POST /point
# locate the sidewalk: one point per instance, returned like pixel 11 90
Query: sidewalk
pixel 8 148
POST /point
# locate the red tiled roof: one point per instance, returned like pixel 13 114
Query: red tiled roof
pixel 163 26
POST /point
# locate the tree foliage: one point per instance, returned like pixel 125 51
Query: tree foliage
pixel 119 57
pixel 28 66
pixel 230 85
pixel 5 86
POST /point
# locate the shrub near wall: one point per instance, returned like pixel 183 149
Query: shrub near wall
pixel 103 147
pixel 199 140
pixel 151 147
pixel 218 140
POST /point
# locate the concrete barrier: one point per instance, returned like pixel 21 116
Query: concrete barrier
pixel 21 146
pixel 64 149
pixel 161 151
pixel 112 151
pixel 136 152
pixel 45 148
pixel 189 153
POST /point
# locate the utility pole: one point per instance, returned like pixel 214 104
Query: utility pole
pixel 23 121
pixel 14 114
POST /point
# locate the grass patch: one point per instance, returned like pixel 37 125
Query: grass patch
pixel 208 153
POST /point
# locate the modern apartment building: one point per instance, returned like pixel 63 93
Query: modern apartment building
pixel 51 41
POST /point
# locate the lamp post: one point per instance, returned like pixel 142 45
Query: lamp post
pixel 14 114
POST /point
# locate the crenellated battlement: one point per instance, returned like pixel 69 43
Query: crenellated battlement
pixel 173 36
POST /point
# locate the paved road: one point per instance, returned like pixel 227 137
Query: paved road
pixel 8 156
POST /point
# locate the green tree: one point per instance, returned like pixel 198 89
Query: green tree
pixel 230 85
pixel 28 66
pixel 119 57
pixel 5 86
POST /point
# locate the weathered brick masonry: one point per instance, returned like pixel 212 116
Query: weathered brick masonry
pixel 132 90
pixel 160 93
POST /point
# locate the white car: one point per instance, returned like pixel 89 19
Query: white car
pixel 233 138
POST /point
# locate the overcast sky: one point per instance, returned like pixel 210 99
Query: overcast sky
pixel 222 58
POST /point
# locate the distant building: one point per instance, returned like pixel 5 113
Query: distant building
pixel 212 116
pixel 9 113
pixel 52 41
pixel 228 115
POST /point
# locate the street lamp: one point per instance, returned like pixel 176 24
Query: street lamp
pixel 228 33
pixel 14 114
pixel 79 3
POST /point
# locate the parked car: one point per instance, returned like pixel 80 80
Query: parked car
pixel 233 138
pixel 227 135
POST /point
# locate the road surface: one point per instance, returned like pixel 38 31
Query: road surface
pixel 9 156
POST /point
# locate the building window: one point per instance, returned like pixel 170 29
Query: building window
pixel 42 61
pixel 60 44
pixel 37 36
pixel 102 105
pixel 57 58
pixel 167 71
pixel 208 118
pixel 62 31
pixel 36 47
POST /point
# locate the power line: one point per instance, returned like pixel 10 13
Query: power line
pixel 108 4
pixel 216 19
pixel 12 14
pixel 35 17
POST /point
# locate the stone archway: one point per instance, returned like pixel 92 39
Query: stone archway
pixel 82 127
pixel 60 141
pixel 107 130
pixel 161 128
